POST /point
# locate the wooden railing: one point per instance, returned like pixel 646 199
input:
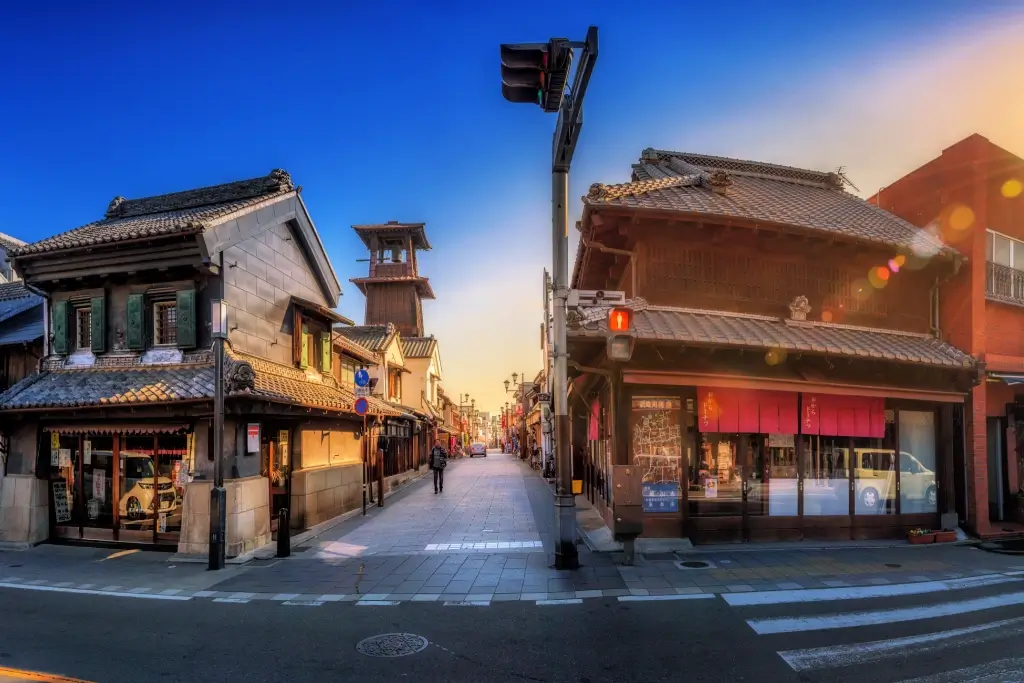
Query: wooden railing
pixel 1003 283
pixel 381 269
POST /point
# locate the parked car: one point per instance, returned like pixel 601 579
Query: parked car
pixel 140 477
pixel 477 448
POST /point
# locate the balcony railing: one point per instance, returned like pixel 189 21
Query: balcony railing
pixel 1003 283
pixel 380 269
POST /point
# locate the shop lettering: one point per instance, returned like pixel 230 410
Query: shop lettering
pixel 810 411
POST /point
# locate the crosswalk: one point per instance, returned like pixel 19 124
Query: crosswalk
pixel 963 630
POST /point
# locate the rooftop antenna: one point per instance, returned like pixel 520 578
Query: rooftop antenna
pixel 841 174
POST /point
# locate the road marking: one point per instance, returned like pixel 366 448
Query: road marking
pixel 467 603
pixel 887 616
pixel 658 598
pixel 281 597
pixel 862 592
pixel 304 603
pixel 565 601
pixel 1011 669
pixel 376 603
pixel 835 656
pixel 82 591
pixel 234 601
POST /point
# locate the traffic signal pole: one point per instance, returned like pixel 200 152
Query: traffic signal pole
pixel 537 73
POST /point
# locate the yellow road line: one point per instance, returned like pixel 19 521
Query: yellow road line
pixel 12 675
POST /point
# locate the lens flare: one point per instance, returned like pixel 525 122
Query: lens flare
pixel 961 217
pixel 826 316
pixel 775 356
pixel 878 277
pixel 1012 188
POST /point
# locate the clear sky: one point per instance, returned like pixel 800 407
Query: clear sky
pixel 393 111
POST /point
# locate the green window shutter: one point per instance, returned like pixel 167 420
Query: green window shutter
pixel 60 327
pixel 304 360
pixel 135 335
pixel 325 351
pixel 186 318
pixel 98 314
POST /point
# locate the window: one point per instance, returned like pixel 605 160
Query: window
pixel 165 323
pixel 83 328
pixel 348 372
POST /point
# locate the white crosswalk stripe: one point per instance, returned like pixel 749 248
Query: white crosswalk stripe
pixel 834 634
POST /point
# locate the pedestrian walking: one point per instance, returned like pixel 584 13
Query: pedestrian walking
pixel 438 461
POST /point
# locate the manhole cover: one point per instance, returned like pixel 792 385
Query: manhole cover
pixel 391 645
pixel 894 566
pixel 694 564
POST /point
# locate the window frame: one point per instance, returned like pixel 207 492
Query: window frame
pixel 155 306
pixel 77 311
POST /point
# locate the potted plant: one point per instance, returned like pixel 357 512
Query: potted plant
pixel 920 536
pixel 945 536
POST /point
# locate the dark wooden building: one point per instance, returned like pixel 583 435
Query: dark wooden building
pixel 787 380
pixel 112 440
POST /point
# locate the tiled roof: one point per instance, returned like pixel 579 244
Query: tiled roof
pixel 166 214
pixel 7 243
pixel 422 283
pixel 353 349
pixel 418 347
pixel 391 228
pixel 82 387
pixel 15 299
pixel 372 337
pixel 23 328
pixel 769 193
pixel 715 328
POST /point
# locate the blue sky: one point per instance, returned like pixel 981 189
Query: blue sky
pixel 393 111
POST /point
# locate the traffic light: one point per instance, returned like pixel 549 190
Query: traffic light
pixel 620 334
pixel 536 73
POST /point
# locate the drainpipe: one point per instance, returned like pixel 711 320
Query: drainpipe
pixel 934 297
pixel 623 252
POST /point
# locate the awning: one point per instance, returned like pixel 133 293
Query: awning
pixel 1012 380
pixel 116 428
pixel 321 311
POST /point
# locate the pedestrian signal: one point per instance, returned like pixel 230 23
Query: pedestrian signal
pixel 620 320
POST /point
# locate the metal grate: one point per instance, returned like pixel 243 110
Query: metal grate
pixel 165 323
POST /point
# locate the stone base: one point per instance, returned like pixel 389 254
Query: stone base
pixel 325 492
pixel 24 510
pixel 248 516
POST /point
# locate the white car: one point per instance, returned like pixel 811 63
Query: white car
pixel 140 477
pixel 477 448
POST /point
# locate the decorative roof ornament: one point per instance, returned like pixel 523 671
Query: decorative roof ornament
pixel 718 181
pixel 279 180
pixel 800 307
pixel 116 207
pixel 241 377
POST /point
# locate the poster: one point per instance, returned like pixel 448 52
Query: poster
pixel 252 440
pixel 656 448
pixel 711 487
pixel 87 453
pixel 54 440
pixel 99 485
pixel 61 503
pixel 161 524
pixel 64 457
pixel 54 457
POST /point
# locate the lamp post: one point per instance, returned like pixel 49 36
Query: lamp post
pixel 520 387
pixel 218 495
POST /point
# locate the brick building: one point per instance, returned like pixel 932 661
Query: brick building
pixel 971 196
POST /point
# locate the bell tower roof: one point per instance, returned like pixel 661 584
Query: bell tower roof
pixel 394 229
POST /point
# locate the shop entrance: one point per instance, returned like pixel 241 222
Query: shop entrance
pixel 126 488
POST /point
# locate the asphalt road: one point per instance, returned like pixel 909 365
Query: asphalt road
pixel 952 636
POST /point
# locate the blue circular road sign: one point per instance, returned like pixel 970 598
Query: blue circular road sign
pixel 362 378
pixel 361 406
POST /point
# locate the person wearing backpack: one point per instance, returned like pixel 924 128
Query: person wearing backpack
pixel 438 461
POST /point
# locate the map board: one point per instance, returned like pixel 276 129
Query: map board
pixel 656 447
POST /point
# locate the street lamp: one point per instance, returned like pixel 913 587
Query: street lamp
pixel 218 495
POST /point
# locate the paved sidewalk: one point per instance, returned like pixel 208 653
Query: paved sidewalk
pixel 487 538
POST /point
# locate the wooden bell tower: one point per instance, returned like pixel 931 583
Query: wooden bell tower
pixel 394 289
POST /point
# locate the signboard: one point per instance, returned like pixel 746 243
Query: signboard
pixel 656 448
pixel 252 438
pixel 99 485
pixel 780 441
pixel 54 440
pixel 362 378
pixel 362 392
pixel 282 446
pixel 544 398
pixel 361 406
pixel 87 453
pixel 61 504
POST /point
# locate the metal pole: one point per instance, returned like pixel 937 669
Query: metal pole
pixel 366 458
pixel 566 555
pixel 218 495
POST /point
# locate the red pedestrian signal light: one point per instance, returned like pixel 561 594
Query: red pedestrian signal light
pixel 620 320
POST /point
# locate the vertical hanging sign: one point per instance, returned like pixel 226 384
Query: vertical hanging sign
pixel 252 440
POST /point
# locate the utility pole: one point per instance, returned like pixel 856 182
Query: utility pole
pixel 537 73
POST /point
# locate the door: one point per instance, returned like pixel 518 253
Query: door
pixel 66 504
pixel 826 487
pixel 996 469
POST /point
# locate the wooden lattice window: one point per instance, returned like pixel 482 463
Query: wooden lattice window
pixel 83 328
pixel 165 323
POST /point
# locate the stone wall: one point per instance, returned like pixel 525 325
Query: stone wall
pixel 248 516
pixel 325 492
pixel 24 511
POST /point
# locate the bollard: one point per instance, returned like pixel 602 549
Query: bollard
pixel 284 538
pixel 629 548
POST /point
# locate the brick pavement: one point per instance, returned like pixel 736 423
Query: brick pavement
pixel 487 538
